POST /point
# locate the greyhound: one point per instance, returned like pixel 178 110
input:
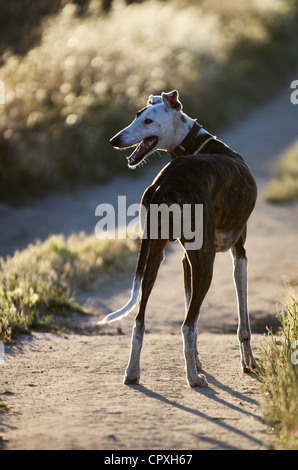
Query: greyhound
pixel 203 170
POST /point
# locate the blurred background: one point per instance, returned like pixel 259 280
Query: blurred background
pixel 76 71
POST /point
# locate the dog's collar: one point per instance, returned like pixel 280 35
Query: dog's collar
pixel 182 148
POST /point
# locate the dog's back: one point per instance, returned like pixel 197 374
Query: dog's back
pixel 198 179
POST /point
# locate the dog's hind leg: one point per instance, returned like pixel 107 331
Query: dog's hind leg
pixel 187 292
pixel 155 257
pixel 240 278
pixel 201 264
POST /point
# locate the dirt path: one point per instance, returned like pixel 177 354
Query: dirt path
pixel 66 392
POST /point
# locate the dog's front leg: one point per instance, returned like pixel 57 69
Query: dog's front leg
pixel 201 268
pixel 190 355
pixel 133 370
pixel 154 259
pixel 187 291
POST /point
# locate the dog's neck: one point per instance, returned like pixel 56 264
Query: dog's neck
pixel 184 127
pixel 185 138
pixel 193 139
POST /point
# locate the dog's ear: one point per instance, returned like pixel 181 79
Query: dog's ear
pixel 171 99
pixel 153 100
pixel 150 100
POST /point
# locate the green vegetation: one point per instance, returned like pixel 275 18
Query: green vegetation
pixel 284 186
pixel 83 76
pixel 38 282
pixel 279 374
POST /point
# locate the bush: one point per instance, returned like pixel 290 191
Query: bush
pixel 71 92
pixel 279 374
pixel 284 186
pixel 39 282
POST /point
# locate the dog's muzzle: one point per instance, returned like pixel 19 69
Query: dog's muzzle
pixel 143 148
pixel 116 141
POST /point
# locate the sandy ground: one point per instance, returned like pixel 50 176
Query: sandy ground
pixel 66 391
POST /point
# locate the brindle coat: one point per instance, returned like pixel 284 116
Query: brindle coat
pixel 223 183
pixel 204 171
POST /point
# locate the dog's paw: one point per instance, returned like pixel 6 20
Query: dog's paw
pixel 248 362
pixel 251 367
pixel 131 380
pixel 199 380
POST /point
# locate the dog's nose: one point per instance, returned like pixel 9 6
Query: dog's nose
pixel 116 141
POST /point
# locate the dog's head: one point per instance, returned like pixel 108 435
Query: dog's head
pixel 154 127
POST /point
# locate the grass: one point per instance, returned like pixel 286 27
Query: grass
pixel 90 72
pixel 279 374
pixel 284 186
pixel 38 283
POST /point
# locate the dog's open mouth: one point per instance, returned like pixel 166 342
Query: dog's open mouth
pixel 143 148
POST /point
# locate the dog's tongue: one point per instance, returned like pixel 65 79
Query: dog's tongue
pixel 141 151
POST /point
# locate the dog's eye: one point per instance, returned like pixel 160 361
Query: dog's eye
pixel 147 121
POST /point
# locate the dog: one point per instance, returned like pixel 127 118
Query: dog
pixel 203 170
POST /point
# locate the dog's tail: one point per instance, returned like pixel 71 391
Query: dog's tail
pixel 124 311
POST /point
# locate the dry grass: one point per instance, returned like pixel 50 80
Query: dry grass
pixel 68 95
pixel 279 373
pixel 284 186
pixel 40 281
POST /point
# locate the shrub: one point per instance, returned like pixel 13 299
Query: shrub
pixel 279 373
pixel 284 186
pixel 38 282
pixel 69 94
